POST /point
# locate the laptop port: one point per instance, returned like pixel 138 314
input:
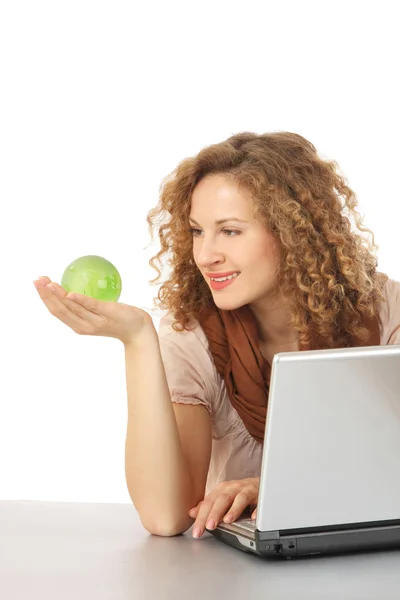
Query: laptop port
pixel 278 548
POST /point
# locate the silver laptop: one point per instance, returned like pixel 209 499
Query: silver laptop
pixel 330 475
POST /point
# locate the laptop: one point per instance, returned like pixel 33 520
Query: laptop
pixel 330 473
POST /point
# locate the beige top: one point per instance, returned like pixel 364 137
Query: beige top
pixel 193 379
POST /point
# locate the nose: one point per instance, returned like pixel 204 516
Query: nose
pixel 208 254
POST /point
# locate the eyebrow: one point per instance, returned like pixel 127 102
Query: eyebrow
pixel 221 220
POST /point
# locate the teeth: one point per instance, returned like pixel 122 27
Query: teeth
pixel 225 278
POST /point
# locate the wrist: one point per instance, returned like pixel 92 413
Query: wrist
pixel 147 335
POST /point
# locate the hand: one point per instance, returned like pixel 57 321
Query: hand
pixel 88 316
pixel 225 503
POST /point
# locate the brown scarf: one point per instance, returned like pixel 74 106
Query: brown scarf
pixel 234 344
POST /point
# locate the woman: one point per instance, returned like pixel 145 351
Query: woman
pixel 263 260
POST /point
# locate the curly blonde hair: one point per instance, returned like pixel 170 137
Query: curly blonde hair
pixel 327 272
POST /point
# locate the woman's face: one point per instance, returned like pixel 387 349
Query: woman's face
pixel 243 246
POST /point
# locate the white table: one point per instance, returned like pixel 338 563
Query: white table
pixel 59 551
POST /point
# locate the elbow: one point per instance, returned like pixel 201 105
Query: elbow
pixel 167 527
pixel 164 520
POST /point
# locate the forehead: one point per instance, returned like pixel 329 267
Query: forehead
pixel 217 193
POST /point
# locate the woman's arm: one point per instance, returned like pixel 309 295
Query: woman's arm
pixel 168 447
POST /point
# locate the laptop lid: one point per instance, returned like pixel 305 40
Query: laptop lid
pixel 332 440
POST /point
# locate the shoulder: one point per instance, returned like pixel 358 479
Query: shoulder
pixel 195 332
pixel 389 313
pixel 193 340
pixel 392 289
pixel 187 353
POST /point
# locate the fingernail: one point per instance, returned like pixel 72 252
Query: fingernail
pixel 196 532
pixel 211 524
pixel 228 518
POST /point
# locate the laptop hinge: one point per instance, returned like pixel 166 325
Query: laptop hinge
pixel 267 535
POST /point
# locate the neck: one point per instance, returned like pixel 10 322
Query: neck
pixel 273 322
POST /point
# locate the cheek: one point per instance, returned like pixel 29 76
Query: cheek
pixel 265 257
pixel 262 267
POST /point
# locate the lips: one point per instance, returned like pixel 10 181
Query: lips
pixel 220 285
pixel 218 275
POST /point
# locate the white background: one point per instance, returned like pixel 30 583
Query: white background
pixel 99 102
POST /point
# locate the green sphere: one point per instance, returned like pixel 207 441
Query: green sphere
pixel 93 276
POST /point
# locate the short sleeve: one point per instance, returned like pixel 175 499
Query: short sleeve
pixel 390 313
pixel 186 363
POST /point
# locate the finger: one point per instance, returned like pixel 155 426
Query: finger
pixel 70 313
pixel 193 512
pixel 44 285
pixel 60 292
pixel 40 282
pixel 75 302
pixel 66 310
pixel 211 512
pixel 50 291
pixel 254 514
pixel 45 279
pixel 89 310
pixel 222 505
pixel 203 510
pixel 96 307
pixel 44 289
pixel 240 503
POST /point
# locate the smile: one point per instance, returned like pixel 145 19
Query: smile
pixel 219 285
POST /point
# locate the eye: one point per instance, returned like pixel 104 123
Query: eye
pixel 195 231
pixel 231 231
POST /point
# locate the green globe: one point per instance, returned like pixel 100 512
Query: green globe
pixel 93 276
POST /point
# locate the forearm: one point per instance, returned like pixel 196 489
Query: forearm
pixel 157 475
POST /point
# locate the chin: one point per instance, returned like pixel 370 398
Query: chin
pixel 228 303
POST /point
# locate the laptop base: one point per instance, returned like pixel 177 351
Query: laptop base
pixel 306 543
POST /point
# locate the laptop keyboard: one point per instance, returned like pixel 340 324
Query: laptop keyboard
pixel 247 524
